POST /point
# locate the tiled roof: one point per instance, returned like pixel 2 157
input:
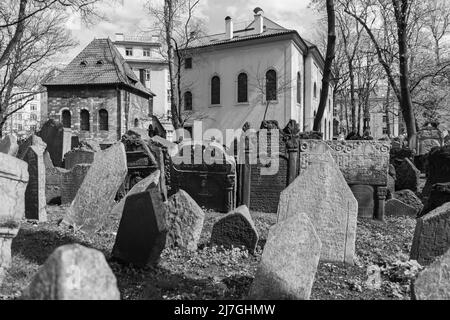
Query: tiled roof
pixel 98 63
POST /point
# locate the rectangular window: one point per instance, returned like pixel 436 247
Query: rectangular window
pixel 19 116
pixel 188 63
pixel 128 52
pixel 168 95
pixel 147 75
pixel 142 76
pixel 33 107
pixel 146 52
pixel 19 127
pixel 33 128
pixel 384 119
pixel 385 130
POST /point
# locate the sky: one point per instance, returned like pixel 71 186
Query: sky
pixel 131 16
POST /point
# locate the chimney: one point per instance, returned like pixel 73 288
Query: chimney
pixel 259 20
pixel 229 28
pixel 119 37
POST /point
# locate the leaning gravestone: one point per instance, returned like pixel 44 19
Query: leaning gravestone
pixel 71 181
pixel 289 261
pixel 73 272
pixel 98 190
pixel 433 283
pixel 408 176
pixel 395 207
pixel 9 145
pixel 431 237
pixel 322 193
pixel 145 184
pixel 440 194
pixel 236 229
pixel 408 197
pixel 35 201
pixel 185 221
pixel 143 228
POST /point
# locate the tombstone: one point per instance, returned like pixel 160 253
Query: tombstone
pixel 433 283
pixel 408 176
pixel 431 237
pixel 35 200
pixel 184 220
pixel 73 272
pixel 149 182
pixel 438 168
pixel 440 194
pixel 78 156
pixel 408 197
pixel 172 148
pixel 365 196
pixel 53 181
pixel 236 229
pixel 9 145
pixel 52 133
pixel 289 261
pixel 322 193
pixel 390 188
pixel 32 140
pixel 95 197
pixel 143 229
pixel 7 233
pixel 13 183
pixel 72 181
pixel 395 207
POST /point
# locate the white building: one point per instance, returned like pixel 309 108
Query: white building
pixel 228 77
pixel 142 53
pixel 26 121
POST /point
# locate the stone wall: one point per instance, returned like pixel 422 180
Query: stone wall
pixel 76 157
pixel 71 182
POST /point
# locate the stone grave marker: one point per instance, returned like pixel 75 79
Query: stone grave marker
pixel 433 283
pixel 35 201
pixel 71 182
pixel 432 235
pixel 185 221
pixel 73 272
pixel 289 261
pixel 143 229
pixel 364 194
pixel 95 197
pixel 9 145
pixel 52 133
pixel 395 207
pixel 408 176
pixel 322 193
pixel 408 197
pixel 236 229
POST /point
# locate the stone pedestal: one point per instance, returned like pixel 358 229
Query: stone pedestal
pixel 6 237
pixel 381 198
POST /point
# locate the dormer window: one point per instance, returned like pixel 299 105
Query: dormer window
pixel 146 52
pixel 83 63
pixel 128 52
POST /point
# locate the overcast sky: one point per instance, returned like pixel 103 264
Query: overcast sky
pixel 130 16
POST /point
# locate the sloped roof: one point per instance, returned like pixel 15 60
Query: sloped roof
pixel 98 63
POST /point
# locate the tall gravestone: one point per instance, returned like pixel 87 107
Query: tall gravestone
pixel 432 235
pixel 9 145
pixel 73 272
pixel 35 201
pixel 408 176
pixel 95 198
pixel 52 133
pixel 322 193
pixel 185 221
pixel 143 229
pixel 71 182
pixel 289 261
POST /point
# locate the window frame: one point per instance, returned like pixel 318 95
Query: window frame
pixel 275 89
pixel 101 124
pixel 129 50
pixel 186 64
pixel 239 88
pixel 185 101
pixel 215 95
pixel 82 124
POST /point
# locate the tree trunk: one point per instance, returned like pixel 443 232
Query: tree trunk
pixel 386 110
pixel 331 46
pixel 358 129
pixel 346 116
pixel 352 95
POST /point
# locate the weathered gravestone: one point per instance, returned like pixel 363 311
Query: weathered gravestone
pixel 390 188
pixel 96 195
pixel 35 201
pixel 236 229
pixel 322 193
pixel 362 162
pixel 365 196
pixel 289 261
pixel 53 181
pixel 9 145
pixel 13 183
pixel 433 283
pixel 73 272
pixel 78 156
pixel 438 171
pixel 32 140
pixel 408 197
pixel 184 220
pixel 152 181
pixel 408 176
pixel 7 233
pixel 440 194
pixel 71 182
pixel 143 229
pixel 432 235
pixel 395 207
pixel 52 133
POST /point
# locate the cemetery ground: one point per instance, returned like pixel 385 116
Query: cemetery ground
pixel 214 273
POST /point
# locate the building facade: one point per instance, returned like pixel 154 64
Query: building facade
pixel 98 96
pixel 261 72
pixel 27 120
pixel 143 55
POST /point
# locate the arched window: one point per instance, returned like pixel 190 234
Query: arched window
pixel 84 120
pixel 188 100
pixel 315 90
pixel 136 123
pixel 103 120
pixel 66 119
pixel 271 85
pixel 215 90
pixel 242 87
pixel 299 87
